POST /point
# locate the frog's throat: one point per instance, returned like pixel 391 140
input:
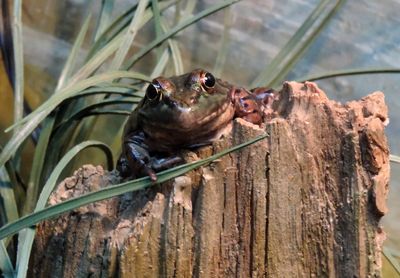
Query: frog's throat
pixel 217 113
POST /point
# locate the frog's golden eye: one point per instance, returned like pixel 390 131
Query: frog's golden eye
pixel 208 80
pixel 153 91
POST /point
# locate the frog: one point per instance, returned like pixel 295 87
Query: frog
pixel 184 112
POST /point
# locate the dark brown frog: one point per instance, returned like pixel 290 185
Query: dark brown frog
pixel 184 111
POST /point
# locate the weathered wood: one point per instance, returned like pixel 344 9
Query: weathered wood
pixel 305 202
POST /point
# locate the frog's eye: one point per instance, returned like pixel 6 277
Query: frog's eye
pixel 208 81
pixel 153 92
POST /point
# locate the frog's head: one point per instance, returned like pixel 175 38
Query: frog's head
pixel 186 102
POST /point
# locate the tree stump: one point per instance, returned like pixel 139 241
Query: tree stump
pixel 306 202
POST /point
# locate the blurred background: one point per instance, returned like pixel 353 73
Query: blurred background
pixel 362 34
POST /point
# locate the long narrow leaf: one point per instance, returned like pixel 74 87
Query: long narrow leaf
pixel 97 60
pixel 18 61
pixel 265 77
pixel 24 249
pixel 162 63
pixel 78 114
pixel 129 35
pixel 349 72
pixel 112 191
pixel 175 52
pixel 223 49
pixel 109 90
pixel 392 260
pixel 6 39
pixel 104 53
pixel 131 61
pixel 107 112
pixel 8 197
pixel 5 263
pixel 157 22
pixel 280 75
pixel 69 64
pixel 76 88
pixel 120 24
pixel 37 165
pixel 105 17
pixel 124 45
pixel 394 158
pixel 48 106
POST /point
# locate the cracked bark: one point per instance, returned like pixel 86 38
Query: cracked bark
pixel 306 202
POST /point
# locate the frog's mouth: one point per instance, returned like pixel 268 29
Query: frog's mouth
pixel 183 119
pixel 187 130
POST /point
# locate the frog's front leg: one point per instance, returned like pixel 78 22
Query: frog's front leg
pixel 255 105
pixel 136 160
pixel 246 106
pixel 264 96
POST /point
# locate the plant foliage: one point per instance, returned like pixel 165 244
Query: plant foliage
pixel 108 83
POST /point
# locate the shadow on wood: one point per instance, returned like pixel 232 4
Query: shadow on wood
pixel 306 202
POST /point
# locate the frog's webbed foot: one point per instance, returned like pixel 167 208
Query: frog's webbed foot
pixel 246 106
pixel 254 106
pixel 135 161
pixel 264 96
pixel 159 164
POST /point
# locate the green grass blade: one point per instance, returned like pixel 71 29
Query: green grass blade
pixel 348 72
pixel 266 76
pixel 37 165
pixel 157 22
pixel 111 191
pixel 391 259
pixel 18 187
pixel 107 7
pixel 6 266
pixel 18 61
pixel 69 64
pixel 182 25
pixel 101 55
pixel 175 52
pixel 76 88
pixel 36 117
pixel 8 197
pixel 28 235
pixel 394 158
pixel 112 31
pixel 161 64
pixel 97 60
pixel 129 35
pixel 157 17
pixel 120 24
pixel 82 112
pixel 223 49
pixel 51 182
pixel 108 90
pixel 34 181
pixel 190 6
pixel 100 112
pixel 287 67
